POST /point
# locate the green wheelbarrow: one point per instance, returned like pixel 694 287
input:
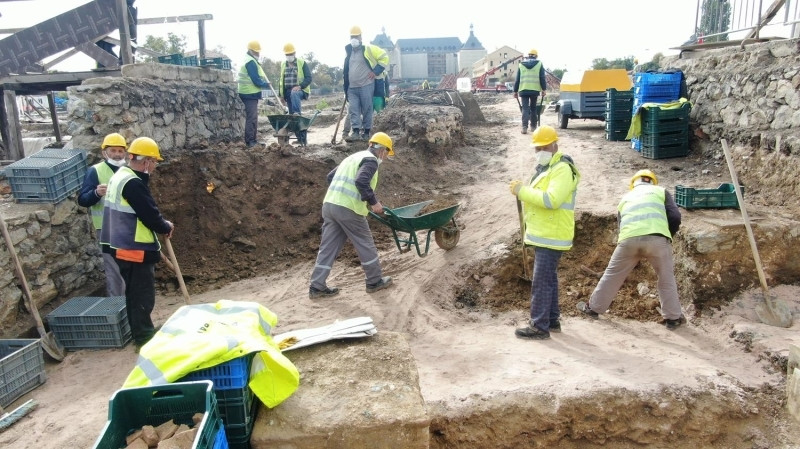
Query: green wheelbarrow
pixel 284 124
pixel 406 219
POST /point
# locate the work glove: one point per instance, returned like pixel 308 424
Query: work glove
pixel 515 95
pixel 514 187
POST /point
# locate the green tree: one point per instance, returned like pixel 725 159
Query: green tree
pixel 558 73
pixel 171 45
pixel 619 63
pixel 715 18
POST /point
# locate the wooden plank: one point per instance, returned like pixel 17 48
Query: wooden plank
pixel 174 19
pixel 98 54
pixel 125 52
pixel 51 101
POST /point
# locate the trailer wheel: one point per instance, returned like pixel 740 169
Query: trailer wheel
pixel 563 120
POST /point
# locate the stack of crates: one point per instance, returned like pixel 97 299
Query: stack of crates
pixel 217 63
pixel 21 368
pixel 91 322
pixel 237 402
pixel 48 176
pixel 178 59
pixel 619 106
pixel 652 87
pixel 131 408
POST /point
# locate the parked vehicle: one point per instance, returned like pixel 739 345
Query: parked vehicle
pixel 583 94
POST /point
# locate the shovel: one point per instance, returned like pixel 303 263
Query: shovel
pixel 177 269
pixel 525 266
pixel 539 111
pixel 341 112
pixel 49 343
pixel 520 104
pixel 772 311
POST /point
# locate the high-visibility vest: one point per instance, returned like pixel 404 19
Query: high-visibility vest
pixel 246 85
pixel 529 78
pixel 300 76
pixel 549 205
pixel 200 336
pixel 642 212
pixel 104 173
pixel 376 55
pixel 343 190
pixel 122 229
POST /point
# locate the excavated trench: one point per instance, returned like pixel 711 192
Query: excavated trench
pixel 242 213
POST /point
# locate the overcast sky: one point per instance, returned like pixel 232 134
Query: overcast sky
pixel 567 33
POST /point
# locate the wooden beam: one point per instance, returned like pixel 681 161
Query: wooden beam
pixel 140 49
pixel 54 115
pixel 125 52
pixel 98 54
pixel 14 144
pixel 174 19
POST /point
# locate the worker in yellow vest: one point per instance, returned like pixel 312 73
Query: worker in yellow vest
pixel 350 197
pixel 251 81
pixel 648 219
pixel 548 201
pixel 92 195
pixel 131 222
pixel 528 86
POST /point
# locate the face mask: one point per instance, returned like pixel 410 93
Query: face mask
pixel 290 59
pixel 116 163
pixel 543 157
pixel 355 42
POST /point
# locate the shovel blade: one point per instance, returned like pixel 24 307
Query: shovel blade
pixel 774 312
pixel 52 347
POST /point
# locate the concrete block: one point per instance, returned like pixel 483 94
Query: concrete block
pixel 356 394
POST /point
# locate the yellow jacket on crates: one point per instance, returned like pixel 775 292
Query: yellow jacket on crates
pixel 200 336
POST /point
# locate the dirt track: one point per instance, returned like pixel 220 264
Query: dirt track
pixel 474 374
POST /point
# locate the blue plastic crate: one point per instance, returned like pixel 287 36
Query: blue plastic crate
pixel 46 179
pixel 221 441
pixel 233 374
pixel 21 368
pixel 655 78
pixel 91 322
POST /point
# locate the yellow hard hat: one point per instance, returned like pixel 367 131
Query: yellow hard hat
pixel 355 31
pixel 383 139
pixel 533 52
pixel 145 146
pixel 543 136
pixel 288 49
pixel 644 174
pixel 254 46
pixel 114 140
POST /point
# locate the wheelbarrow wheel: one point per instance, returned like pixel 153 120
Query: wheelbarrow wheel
pixel 447 238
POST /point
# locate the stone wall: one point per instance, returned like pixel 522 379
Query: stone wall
pixel 56 246
pixel 179 107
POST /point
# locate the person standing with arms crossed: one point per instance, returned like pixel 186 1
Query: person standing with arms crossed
pixel 549 210
pixel 530 83
pixel 362 66
pixel 251 81
pixel 131 222
pixel 92 195
pixel 295 80
pixel 351 190
pixel 648 219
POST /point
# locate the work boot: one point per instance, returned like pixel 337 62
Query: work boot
pixel 314 293
pixel 524 130
pixel 385 282
pixel 674 324
pixel 354 136
pixel 583 307
pixel 532 332
pixel 555 326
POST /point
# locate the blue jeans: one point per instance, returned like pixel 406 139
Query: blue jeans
pixel 360 108
pixel 544 288
pixel 293 100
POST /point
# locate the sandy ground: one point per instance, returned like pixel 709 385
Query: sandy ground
pixel 459 353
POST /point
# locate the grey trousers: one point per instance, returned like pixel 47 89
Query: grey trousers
pixel 115 285
pixel 339 225
pixel 657 250
pixel 360 106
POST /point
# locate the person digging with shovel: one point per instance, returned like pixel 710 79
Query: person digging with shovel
pixel 548 201
pixel 648 219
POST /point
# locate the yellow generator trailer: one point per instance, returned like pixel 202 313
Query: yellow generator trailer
pixel 583 93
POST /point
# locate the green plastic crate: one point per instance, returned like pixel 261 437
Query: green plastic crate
pixel 131 408
pixel 722 197
pixel 664 151
pixel 665 139
pixel 664 126
pixel 176 59
pixel 657 113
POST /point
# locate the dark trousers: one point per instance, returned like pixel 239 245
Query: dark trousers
pixel 544 288
pixel 140 298
pixel 530 110
pixel 251 120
